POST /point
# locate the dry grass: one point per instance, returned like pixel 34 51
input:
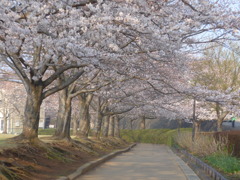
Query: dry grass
pixel 6 136
pixel 5 144
pixel 203 145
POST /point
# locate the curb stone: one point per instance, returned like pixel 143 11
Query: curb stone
pixel 189 173
pixel 92 164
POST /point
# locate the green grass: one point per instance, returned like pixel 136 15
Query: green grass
pixel 49 131
pixel 153 136
pixel 224 162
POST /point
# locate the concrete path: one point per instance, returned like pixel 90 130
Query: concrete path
pixel 143 162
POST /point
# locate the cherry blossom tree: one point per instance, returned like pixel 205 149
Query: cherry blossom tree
pixel 82 88
pixel 219 70
pixel 42 40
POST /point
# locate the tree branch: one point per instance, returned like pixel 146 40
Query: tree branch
pixel 189 5
pixel 59 72
pixel 119 112
pixel 16 66
pixel 62 85
pixel 158 89
pixel 83 3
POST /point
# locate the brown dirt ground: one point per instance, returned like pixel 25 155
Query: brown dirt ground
pixel 54 159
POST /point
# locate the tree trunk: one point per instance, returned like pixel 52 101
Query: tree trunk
pixel 99 120
pixel 105 126
pixel 220 117
pixel 194 120
pixel 5 121
pixel 62 98
pixel 111 126
pixel 99 125
pixel 179 125
pixel 65 132
pixel 117 127
pixel 32 113
pixel 75 124
pixel 84 124
pixel 142 123
pixel 219 125
pixel 131 124
pixel 64 116
pixel 196 125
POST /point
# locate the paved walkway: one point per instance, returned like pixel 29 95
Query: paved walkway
pixel 143 162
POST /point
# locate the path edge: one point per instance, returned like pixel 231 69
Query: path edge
pixel 213 173
pixel 185 168
pixel 92 164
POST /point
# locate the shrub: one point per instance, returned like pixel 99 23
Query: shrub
pixel 203 145
pixel 233 141
pixel 154 136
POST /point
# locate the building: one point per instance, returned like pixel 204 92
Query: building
pixel 12 103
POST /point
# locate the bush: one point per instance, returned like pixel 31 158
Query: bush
pixel 213 149
pixel 153 136
pixel 203 145
pixel 233 141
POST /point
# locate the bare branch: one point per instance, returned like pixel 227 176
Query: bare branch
pixel 59 71
pixel 63 85
pixel 117 112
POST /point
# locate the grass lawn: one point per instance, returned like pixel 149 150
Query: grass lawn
pixel 225 163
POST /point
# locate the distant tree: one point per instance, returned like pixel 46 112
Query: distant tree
pixel 12 102
pixel 219 70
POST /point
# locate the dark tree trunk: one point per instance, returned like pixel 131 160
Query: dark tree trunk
pixel 111 126
pixel 194 120
pixel 220 117
pixel 32 113
pixel 142 123
pixel 84 116
pixel 105 126
pixel 117 127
